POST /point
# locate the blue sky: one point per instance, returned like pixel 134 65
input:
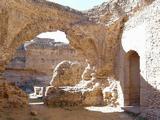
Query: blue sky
pixel 79 4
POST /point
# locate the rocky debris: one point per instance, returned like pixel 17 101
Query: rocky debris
pixel 88 91
pixel 34 113
pixel 67 73
pixel 60 97
pixel 70 96
pixel 85 93
pixel 12 97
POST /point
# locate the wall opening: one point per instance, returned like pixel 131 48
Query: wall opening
pixel 132 79
pixel 31 67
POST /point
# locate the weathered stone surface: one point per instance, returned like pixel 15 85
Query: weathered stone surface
pixel 60 97
pixel 67 73
pixel 93 97
pixel 70 96
pixel 12 97
pixel 87 73
pixel 85 93
pixel 141 36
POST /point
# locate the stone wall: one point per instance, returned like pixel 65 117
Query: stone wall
pixel 141 34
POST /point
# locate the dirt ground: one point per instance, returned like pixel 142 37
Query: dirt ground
pixel 41 112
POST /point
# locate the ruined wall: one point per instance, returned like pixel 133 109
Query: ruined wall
pixel 90 33
pixel 43 55
pixel 35 61
pixel 23 20
pixel 141 34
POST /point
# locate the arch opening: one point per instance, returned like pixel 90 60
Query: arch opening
pixel 132 79
pixel 32 65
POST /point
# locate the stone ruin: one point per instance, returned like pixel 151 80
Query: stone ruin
pixel 119 39
pixel 65 90
pixel 35 60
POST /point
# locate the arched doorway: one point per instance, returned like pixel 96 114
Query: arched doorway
pixel 132 79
